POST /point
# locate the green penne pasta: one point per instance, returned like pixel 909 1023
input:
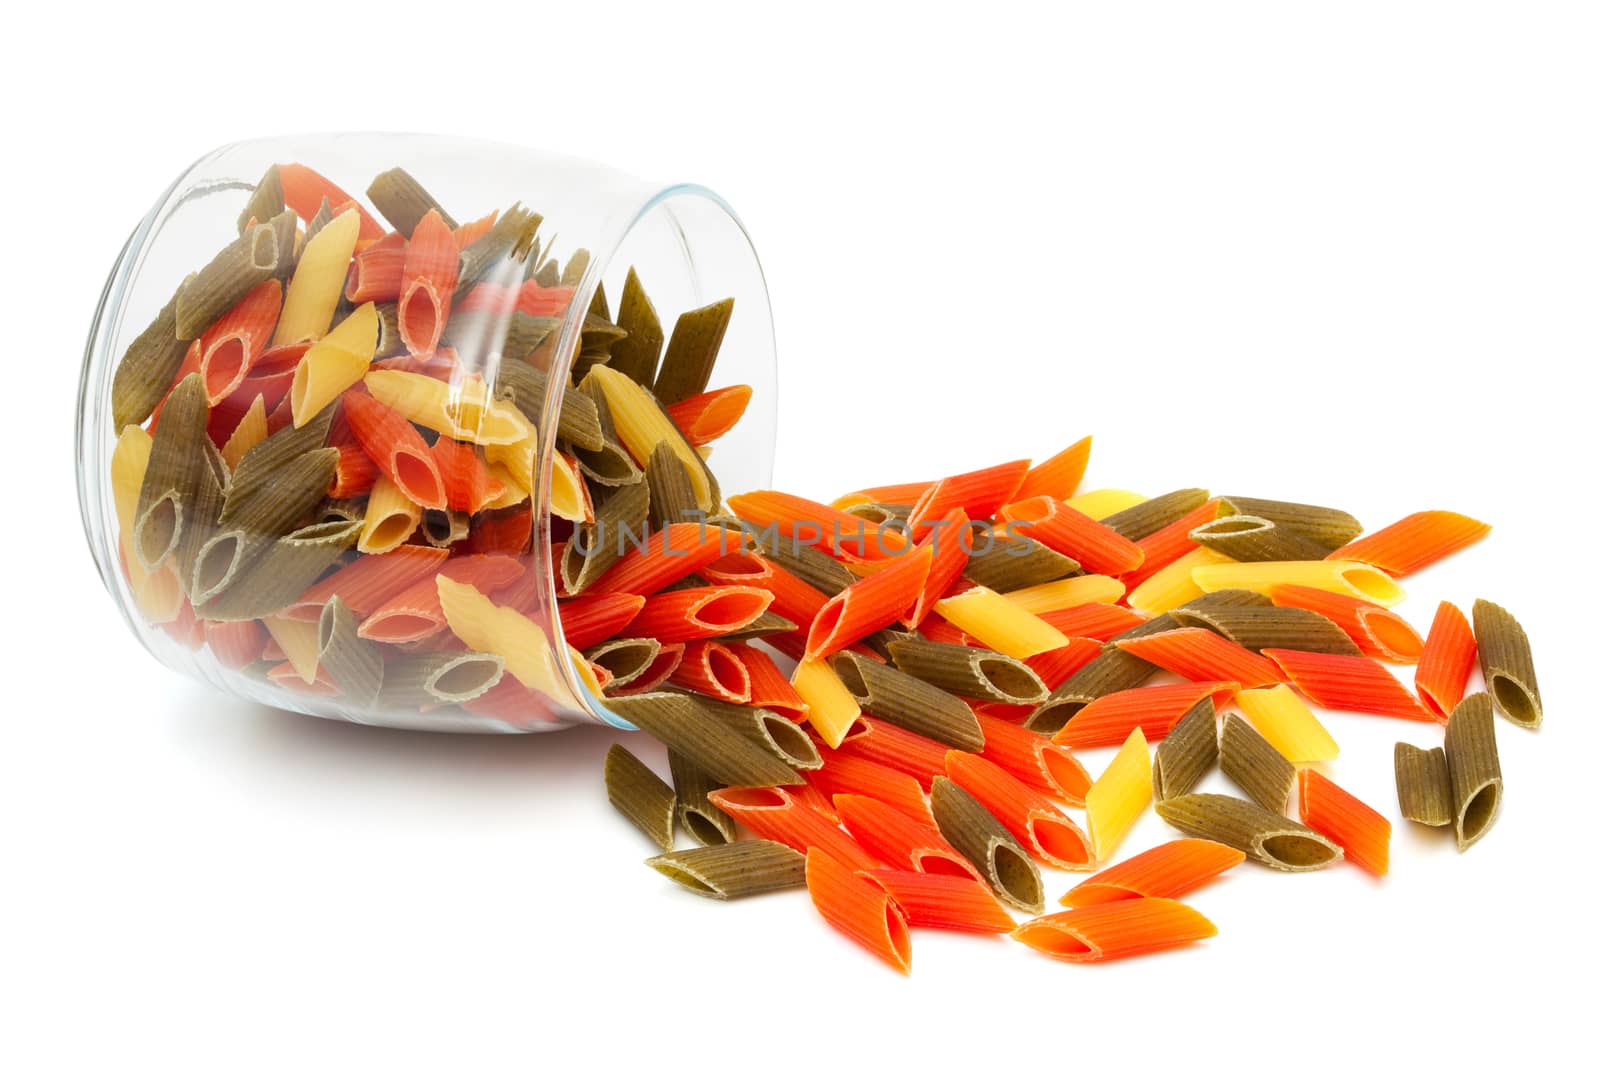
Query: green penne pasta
pixel 441 529
pixel 202 512
pixel 321 219
pixel 1187 752
pixel 1474 762
pixel 147 369
pixel 266 199
pixel 1252 539
pixel 700 819
pixel 578 421
pixel 625 657
pixel 332 510
pixel 273 507
pixel 766 625
pixel 504 251
pixel 640 794
pixel 1254 765
pixel 620 522
pixel 811 565
pixel 403 201
pixel 254 257
pixel 1328 527
pixel 692 352
pixel 968 672
pixel 880 513
pixel 1160 624
pixel 1507 662
pixel 548 275
pixel 637 354
pixel 259 467
pixel 577 263
pixel 996 564
pixel 354 663
pixel 596 339
pixel 1111 671
pixel 672 497
pixel 1422 781
pixel 243 575
pixel 424 678
pixel 389 341
pixel 681 722
pixel 768 729
pixel 731 871
pixel 900 699
pixel 599 307
pixel 1267 626
pixel 1146 517
pixel 610 464
pixel 178 461
pixel 978 835
pixel 1264 836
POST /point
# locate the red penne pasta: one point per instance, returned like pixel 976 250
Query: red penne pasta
pixel 512 703
pixel 1204 656
pixel 1034 760
pixel 1093 619
pixel 1101 932
pixel 847 773
pixel 792 598
pixel 870 604
pixel 304 190
pixel 1168 870
pixel 1448 656
pixel 355 473
pixel 1058 664
pixel 468 485
pixel 777 815
pixel 813 798
pixel 1344 820
pixel 901 841
pixel 1030 816
pixel 236 645
pixel 490 298
pixel 468 232
pixel 1414 542
pixel 859 907
pixel 1058 476
pixel 399 451
pixel 285 675
pixel 669 555
pixel 540 302
pixel 903 494
pixel 1377 631
pixel 1349 683
pixel 895 747
pixel 806 522
pixel 279 358
pixel 945 902
pixel 709 668
pixel 1096 546
pixel 377 271
pixel 502 531
pixel 659 670
pixel 978 493
pixel 232 343
pixel 706 417
pixel 427 284
pixel 1155 709
pixel 935 628
pixel 692 614
pixel 951 544
pixel 769 687
pixel 588 620
pixel 415 613
pixel 1170 543
pixel 369 581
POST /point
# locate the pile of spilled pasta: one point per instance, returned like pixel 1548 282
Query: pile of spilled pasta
pixel 876 700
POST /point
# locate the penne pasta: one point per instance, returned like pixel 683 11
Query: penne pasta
pixel 230 346
pixel 1034 760
pixel 776 815
pixel 403 201
pixel 1378 632
pixel 462 409
pixel 1099 932
pixel 1287 724
pixel 950 541
pixel 1186 754
pixel 1264 836
pixel 814 567
pixel 1329 527
pixel 595 547
pixel 394 445
pixel 1414 542
pixel 1012 563
pixel 318 282
pixel 355 665
pixel 671 491
pixel 1140 520
pixel 1422 781
pixel 860 908
pixel 946 902
pixel 1202 655
pixel 1058 476
pixel 484 626
pixel 638 353
pixel 640 795
pixel 298 642
pixel 909 702
pixel 427 283
pixel 978 494
pixel 260 253
pixel 1030 817
pixel 1099 504
pixel 1257 768
pixel 770 731
pixel 589 620
pixel 1110 671
pixel 792 598
pixel 1337 576
pixel 1474 764
pixel 733 870
pixel 334 364
pixel 900 840
pixel 831 709
pixel 1118 797
pixel 976 673
pixel 642 425
pixel 628 658
pixel 266 199
pixel 652 674
pixel 870 604
pixel 669 556
pixel 1096 547
pixel 695 813
pixel 1344 820
pixel 147 369
pixel 712 670
pixel 1174 585
pixel 390 520
pixel 707 416
pixel 1168 871
pixel 1252 539
pixel 693 614
pixel 1155 709
pixel 1169 543
pixel 441 677
pixel 692 352
pixel 896 748
pixel 999 623
pixel 1348 683
pixel 1256 624
pixel 974 832
pixel 843 773
pixel 304 190
pixel 1445 666
pixel 680 722
pixel 1507 662
pixel 1067 593
pixel 174 472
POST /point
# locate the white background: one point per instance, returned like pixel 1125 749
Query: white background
pixel 1342 252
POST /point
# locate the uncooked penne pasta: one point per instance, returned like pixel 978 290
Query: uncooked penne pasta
pixel 464 409
pixel 637 354
pixel 640 795
pixel 768 729
pixel 1338 576
pixel 734 869
pixel 1174 585
pixel 145 372
pixel 1474 763
pixel 1378 632
pixel 671 491
pixel 239 575
pixel 1344 820
pixel 334 363
pixel 641 425
pixel 979 836
pixel 390 519
pixel 1264 836
pixel 1118 797
pixel 266 199
pixel 441 677
pixel 999 623
pixel 692 352
pixel 1415 541
pixel 979 674
pixel 1326 526
pixel 403 201
pixel 901 841
pixel 790 818
pixel 256 256
pixel 1258 624
pixel 1507 662
pixel 1008 564
pixel 318 281
pixel 1169 870
pixel 1155 709
pixel 909 702
pixel 832 707
pixel 1252 539
pixel 595 547
pixel 1448 655
pixel 945 901
pixel 1110 671
pixel 173 473
pixel 355 665
pixel 626 659
pixel 1187 752
pixel 1030 816
pixel 1280 716
pixel 1257 768
pixel 1422 781
pixel 1348 683
pixel 860 908
pixel 1058 476
pixel 1099 504
pixel 1140 520
pixel 680 722
pixel 699 818
pixel 1067 593
pixel 1098 932
pixel 1202 655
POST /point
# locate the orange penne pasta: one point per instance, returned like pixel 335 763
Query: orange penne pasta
pixel 1095 620
pixel 1344 820
pixel 415 611
pixel 946 902
pixel 399 451
pixel 901 841
pixel 978 493
pixel 768 686
pixel 1204 656
pixel 354 475
pixel 1101 932
pixel 806 522
pixel 870 604
pixel 1034 759
pixel 377 271
pixel 1058 476
pixel 469 232
pixel 1168 870
pixel 304 190
pixel 1096 546
pixel 468 485
pixel 426 285
pixel 236 645
pixel 1170 543
pixel 368 582
pixel 777 815
pixel 951 544
pixel 670 555
pixel 897 748
pixel 1377 631
pixel 1448 656
pixel 1348 683
pixel 660 669
pixel 792 598
pixel 1030 817
pixel 537 300
pixel 706 417
pixel 231 345
pixel 1155 709
pixel 692 614
pixel 859 907
pixel 709 668
pixel 588 620
pixel 847 773
pixel 1414 542
pixel 904 494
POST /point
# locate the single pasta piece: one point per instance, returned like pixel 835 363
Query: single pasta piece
pixel 1006 564
pixel 462 409
pixel 1055 525
pixel 1348 683
pixel 1252 539
pixel 681 722
pixel 1034 760
pixel 441 677
pixel 1058 476
pixel 1174 585
pixel 977 493
pixel 390 519
pixel 468 485
pixel 1414 542
pixel 792 597
pixel 427 284
pixel 588 620
pixel 1154 709
pixel 860 908
pixel 1474 761
pixel 333 364
pixel 979 836
pixel 1251 621
pixel 1254 765
pixel 377 271
pixel 354 475
pixel 693 614
pixel 1138 521
pixel 625 659
pixel 843 772
pixel 1169 544
pixel 1448 656
pixel 951 544
pixel 402 200
pixel 1187 752
pixel 999 624
pixel 1204 656
pixel 1099 504
pixel 692 352
pixel 1264 836
pixel 768 686
pixel 813 566
pixel 640 795
pixel 735 869
pixel 905 494
pixel 831 709
pixel 1329 527
pixel 1378 632
pixel 870 604
pixel 980 674
pixel 1100 932
pixel 669 556
pixel 231 345
pixel 774 733
pixel 945 901
pixel 776 815
pixel 1028 815
pixel 1422 781
pixel 1344 820
pixel 394 445
pixel 707 416
pixel 1169 870
pixel 709 668
pixel 304 190
pixel 318 281
pixel 1338 576
pixel 355 665
pixel 250 431
pixel 695 813
pixel 1068 593
pixel 642 424
pixel 1119 796
pixel 1287 724
pixel 901 841
pixel 156 592
pixel 1095 621
pixel 1507 662
pixel 909 702
pixel 894 747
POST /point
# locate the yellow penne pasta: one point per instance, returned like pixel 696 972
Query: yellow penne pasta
pixel 318 281
pixel 390 520
pixel 568 498
pixel 1333 575
pixel 830 708
pixel 1067 593
pixel 1173 584
pixel 485 626
pixel 334 364
pixel 515 457
pixel 585 673
pixel 641 425
pixel 299 642
pixel 512 491
pixel 251 431
pixel 1120 795
pixel 1098 503
pixel 1280 716
pixel 156 593
pixel 999 623
pixel 462 409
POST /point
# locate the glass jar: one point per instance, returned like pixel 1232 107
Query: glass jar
pixel 513 289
